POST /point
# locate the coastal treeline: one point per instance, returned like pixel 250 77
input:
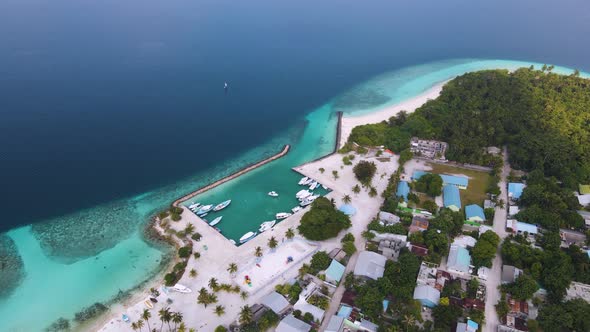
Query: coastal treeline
pixel 543 118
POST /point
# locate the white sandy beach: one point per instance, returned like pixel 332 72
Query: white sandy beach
pixel 273 269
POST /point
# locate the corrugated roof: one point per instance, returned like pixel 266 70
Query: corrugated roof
pixel 451 196
pixel 275 302
pixel 403 189
pixel 370 264
pixel 455 180
pixel 335 324
pixel 474 211
pixel 427 293
pixel 459 259
pixel 515 189
pixel 292 324
pixel 335 271
pixel 524 227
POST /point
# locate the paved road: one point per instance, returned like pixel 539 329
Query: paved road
pixel 494 277
pixel 337 297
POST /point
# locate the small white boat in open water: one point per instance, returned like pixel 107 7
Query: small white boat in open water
pixel 273 194
pixel 282 215
pixel 247 237
pixel 215 221
pixel 222 205
pixel 265 226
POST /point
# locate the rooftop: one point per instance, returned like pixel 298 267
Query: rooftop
pixel 428 295
pixel 275 302
pixel 335 271
pixel 475 212
pixel 370 264
pixel 459 181
pixel 459 259
pixel 524 227
pixel 292 324
pixel 515 190
pixel 451 197
pixel 584 189
pixel 403 189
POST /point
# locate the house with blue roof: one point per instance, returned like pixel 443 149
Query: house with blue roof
pixel 460 182
pixel 403 189
pixel 475 213
pixel 515 190
pixel 451 198
pixel 427 295
pixel 459 259
pixel 470 326
pixel 334 272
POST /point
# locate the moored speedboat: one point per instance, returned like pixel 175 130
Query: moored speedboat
pixel 247 237
pixel 282 215
pixel 205 208
pixel 308 182
pixel 313 185
pixel 301 194
pixel 222 205
pixel 273 194
pixel 303 180
pixel 265 226
pixel 308 200
pixel 194 206
pixel 296 209
pixel 324 186
pixel 215 221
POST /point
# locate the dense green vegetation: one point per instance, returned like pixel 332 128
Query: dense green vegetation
pixel 430 184
pixel 323 221
pixel 364 171
pixel 485 249
pixel 544 118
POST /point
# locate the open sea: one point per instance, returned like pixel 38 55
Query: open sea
pixel 110 110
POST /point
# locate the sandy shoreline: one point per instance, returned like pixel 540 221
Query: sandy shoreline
pixel 349 121
pixel 217 253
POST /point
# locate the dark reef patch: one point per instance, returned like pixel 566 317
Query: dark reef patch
pixel 11 266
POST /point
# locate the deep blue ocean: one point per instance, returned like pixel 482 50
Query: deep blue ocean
pixel 106 99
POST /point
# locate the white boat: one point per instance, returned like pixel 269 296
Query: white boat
pixel 308 200
pixel 273 194
pixel 308 182
pixel 205 208
pixel 324 186
pixel 222 205
pixel 181 289
pixel 282 215
pixel 194 206
pixel 204 215
pixel 302 194
pixel 313 185
pixel 232 242
pixel 303 180
pixel 247 237
pixel 265 226
pixel 148 304
pixel 215 221
pixel 296 209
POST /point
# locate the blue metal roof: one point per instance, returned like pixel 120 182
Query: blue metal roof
pixel 472 325
pixel 403 189
pixel 474 210
pixel 344 311
pixel 385 305
pixel 335 270
pixel 524 227
pixel 515 189
pixel 460 181
pixel 459 259
pixel 451 196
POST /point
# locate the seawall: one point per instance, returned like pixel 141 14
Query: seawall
pixel 230 177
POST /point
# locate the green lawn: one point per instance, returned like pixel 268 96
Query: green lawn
pixel 478 182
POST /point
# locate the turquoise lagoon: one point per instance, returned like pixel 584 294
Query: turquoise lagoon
pixel 94 255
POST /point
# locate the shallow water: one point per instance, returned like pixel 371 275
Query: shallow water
pixel 90 256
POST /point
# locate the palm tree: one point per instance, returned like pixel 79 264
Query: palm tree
pixel 289 234
pixel 189 229
pixel 213 284
pixel 139 324
pixel 346 199
pixel 220 310
pixel 356 189
pixel 272 243
pixel 176 318
pixel 162 313
pixel 232 269
pixel 245 315
pixel 372 192
pixel 181 327
pixel 146 315
pixel 203 297
pixel 258 253
pixel 192 273
pixel 168 317
pixel 335 174
pixel 134 326
pixel 408 320
pixel 244 295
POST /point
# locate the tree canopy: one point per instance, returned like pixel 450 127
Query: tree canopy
pixel 364 171
pixel 430 184
pixel 323 221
